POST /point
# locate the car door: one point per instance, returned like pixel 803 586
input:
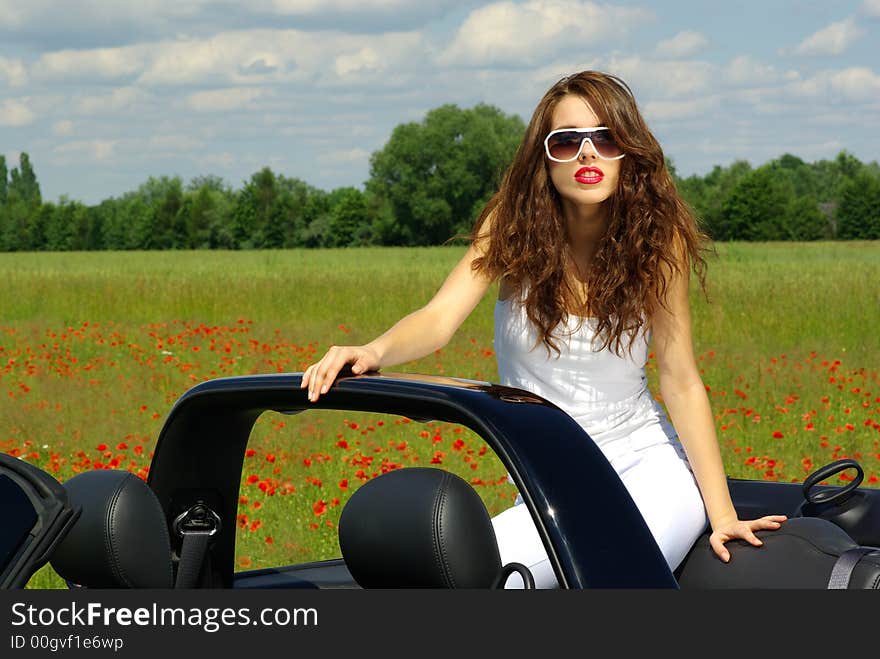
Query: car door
pixel 35 514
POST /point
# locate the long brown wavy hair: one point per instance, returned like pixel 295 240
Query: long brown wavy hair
pixel 651 232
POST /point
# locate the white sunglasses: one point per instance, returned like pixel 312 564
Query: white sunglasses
pixel 566 144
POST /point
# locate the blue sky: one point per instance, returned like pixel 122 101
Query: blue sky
pixel 103 94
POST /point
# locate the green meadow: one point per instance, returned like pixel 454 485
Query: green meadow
pixel 95 347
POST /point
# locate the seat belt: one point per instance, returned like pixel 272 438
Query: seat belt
pixel 844 566
pixel 197 526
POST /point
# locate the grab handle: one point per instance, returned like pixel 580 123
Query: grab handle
pixel 825 472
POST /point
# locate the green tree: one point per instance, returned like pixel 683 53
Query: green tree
pixel 858 214
pixel 803 219
pixel 707 195
pixel 288 216
pixel 23 184
pixel 434 172
pixel 4 180
pixel 153 214
pixel 253 211
pixel 169 226
pixel 348 219
pixel 37 226
pixel 199 207
pixel 270 211
pixel 115 230
pixel 63 225
pixel 129 220
pixel 208 211
pixel 315 229
pixel 757 207
pixel 14 220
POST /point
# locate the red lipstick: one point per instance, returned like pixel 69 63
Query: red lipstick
pixel 589 175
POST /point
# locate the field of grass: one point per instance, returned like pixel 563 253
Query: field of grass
pixel 95 347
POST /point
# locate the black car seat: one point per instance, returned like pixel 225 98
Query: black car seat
pixel 805 552
pixel 421 528
pixel 121 538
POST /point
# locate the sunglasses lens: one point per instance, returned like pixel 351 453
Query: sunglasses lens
pixel 605 144
pixel 564 145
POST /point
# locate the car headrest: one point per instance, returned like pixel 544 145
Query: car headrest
pixel 121 538
pixel 418 528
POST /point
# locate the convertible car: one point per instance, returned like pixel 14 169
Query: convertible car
pixel 416 526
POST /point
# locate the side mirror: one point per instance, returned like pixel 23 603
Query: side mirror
pixel 35 514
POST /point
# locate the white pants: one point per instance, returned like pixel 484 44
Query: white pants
pixel 662 485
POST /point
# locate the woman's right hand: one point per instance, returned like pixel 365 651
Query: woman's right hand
pixel 319 376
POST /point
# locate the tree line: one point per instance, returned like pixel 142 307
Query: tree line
pixel 426 185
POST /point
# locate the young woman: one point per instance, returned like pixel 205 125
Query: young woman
pixel 593 248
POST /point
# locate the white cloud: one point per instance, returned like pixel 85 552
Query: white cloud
pixel 671 110
pixel 96 150
pixel 62 128
pixel 15 112
pixel 856 84
pixel 831 40
pixel 509 35
pixel 220 58
pixel 14 14
pixel 683 44
pixel 853 84
pixel 174 144
pixel 17 14
pixel 223 100
pixel 77 23
pixel 745 70
pixel 344 156
pixel 366 59
pixel 278 56
pixel 245 58
pixel 663 78
pixel 13 72
pixel 224 160
pixel 871 8
pixel 95 64
pixel 119 99
pixel 305 7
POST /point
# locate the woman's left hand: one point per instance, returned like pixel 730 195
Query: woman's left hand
pixel 744 530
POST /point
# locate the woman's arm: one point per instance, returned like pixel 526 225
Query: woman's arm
pixel 685 397
pixel 413 336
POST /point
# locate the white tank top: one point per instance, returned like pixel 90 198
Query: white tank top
pixel 605 393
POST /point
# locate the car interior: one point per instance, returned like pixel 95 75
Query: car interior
pixel 413 527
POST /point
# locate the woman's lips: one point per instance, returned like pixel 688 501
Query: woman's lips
pixel 589 175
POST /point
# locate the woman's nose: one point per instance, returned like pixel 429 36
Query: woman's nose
pixel 587 152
